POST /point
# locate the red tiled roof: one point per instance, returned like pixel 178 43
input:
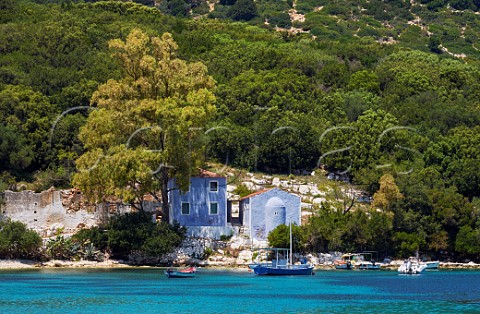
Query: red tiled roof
pixel 202 173
pixel 255 194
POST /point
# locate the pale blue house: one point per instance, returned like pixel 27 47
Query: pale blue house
pixel 203 208
pixel 263 211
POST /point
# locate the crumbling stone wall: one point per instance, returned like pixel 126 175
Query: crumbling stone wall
pixel 67 210
pixel 52 210
pixel 48 211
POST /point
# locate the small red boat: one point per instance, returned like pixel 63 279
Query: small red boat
pixel 182 273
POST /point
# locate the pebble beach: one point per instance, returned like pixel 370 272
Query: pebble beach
pixel 25 264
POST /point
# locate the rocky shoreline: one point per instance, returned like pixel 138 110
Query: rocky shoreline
pixel 27 264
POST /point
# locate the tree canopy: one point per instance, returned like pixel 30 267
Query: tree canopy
pixel 146 127
pixel 355 88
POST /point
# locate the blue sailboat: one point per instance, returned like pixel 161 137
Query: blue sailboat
pixel 280 266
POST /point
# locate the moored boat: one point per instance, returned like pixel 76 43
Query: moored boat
pixel 280 265
pixel 432 264
pixel 290 270
pixel 182 273
pixel 357 261
pixel 410 267
pixel 343 265
pixel 253 265
pixel 429 264
pixel 367 265
pixel 345 262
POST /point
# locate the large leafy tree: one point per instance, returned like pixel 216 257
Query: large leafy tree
pixel 330 229
pixel 468 241
pixel 271 121
pixel 387 194
pixel 365 147
pixel 146 126
pixel 459 154
pixel 243 10
pixel 25 116
pixel 15 155
pixel 280 237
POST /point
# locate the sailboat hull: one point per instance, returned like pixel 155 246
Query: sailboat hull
pixel 294 270
pixel 280 267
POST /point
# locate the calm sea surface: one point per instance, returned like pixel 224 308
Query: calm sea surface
pixel 217 291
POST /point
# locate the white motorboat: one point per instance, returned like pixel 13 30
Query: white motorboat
pixel 409 267
pixel 432 264
pixel 357 261
pixel 366 262
pixel 367 265
pixel 343 265
pixel 429 264
pixel 345 262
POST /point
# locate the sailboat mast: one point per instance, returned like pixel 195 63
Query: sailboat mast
pixel 291 251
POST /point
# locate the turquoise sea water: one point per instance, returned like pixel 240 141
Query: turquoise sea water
pixel 220 291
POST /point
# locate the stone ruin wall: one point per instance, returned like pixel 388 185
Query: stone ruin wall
pixel 52 210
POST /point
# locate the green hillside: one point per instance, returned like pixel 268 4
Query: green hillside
pixel 364 88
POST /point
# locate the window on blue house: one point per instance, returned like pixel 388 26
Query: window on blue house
pixel 185 208
pixel 213 208
pixel 213 186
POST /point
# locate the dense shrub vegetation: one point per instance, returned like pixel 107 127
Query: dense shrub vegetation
pixel 134 234
pixel 123 237
pixel 284 103
pixel 16 241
